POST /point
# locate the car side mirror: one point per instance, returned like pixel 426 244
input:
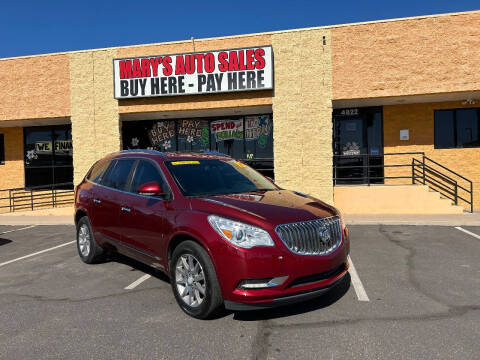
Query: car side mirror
pixel 151 189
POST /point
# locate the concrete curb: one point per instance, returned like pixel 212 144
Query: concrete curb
pixel 37 220
pixel 465 219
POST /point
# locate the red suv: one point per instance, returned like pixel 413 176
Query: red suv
pixel 222 232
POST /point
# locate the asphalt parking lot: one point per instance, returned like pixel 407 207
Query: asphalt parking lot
pixel 422 284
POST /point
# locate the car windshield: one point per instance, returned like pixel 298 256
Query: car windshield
pixel 216 177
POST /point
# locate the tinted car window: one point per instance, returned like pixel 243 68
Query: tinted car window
pixel 146 172
pixel 117 175
pixel 216 177
pixel 98 169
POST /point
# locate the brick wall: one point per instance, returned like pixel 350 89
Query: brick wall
pixel 302 112
pixel 407 57
pixel 419 119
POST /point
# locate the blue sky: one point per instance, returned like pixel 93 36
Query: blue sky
pixel 35 27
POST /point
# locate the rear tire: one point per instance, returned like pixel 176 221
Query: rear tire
pixel 88 249
pixel 194 280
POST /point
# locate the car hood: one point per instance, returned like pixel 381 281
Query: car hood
pixel 274 207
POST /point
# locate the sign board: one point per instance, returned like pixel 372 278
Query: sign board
pixel 227 129
pixel 61 146
pixel 207 72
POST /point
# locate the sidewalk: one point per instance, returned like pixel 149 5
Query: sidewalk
pixel 465 219
pixel 56 216
pixel 64 216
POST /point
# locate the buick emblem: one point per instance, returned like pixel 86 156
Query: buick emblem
pixel 324 235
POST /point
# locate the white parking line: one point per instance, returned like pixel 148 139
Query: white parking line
pixel 36 253
pixel 467 232
pixel 357 283
pixel 138 282
pixel 25 228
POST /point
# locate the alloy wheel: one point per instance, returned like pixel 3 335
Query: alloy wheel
pixel 190 280
pixel 84 240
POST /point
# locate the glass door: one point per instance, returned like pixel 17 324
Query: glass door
pixel 358 146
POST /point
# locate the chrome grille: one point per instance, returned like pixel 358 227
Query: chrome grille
pixel 313 237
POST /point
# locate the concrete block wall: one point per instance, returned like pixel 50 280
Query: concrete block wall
pixel 423 55
pixel 302 110
pixel 34 87
pixel 94 111
pixel 12 172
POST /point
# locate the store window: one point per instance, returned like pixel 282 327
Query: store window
pixel 48 156
pixel 2 150
pixel 246 138
pixel 457 128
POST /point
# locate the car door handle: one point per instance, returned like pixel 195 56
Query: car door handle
pixel 125 209
pixel 96 201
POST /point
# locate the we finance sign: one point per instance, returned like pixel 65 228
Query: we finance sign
pixel 210 72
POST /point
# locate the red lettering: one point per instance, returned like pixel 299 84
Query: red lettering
pixel 259 56
pixel 167 66
pixel 125 69
pixel 223 66
pixel 199 58
pixel 179 66
pixel 145 67
pixel 250 60
pixel 189 64
pixel 233 61
pixel 209 62
pixel 154 63
pixel 241 60
pixel 136 73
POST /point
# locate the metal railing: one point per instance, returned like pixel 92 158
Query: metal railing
pixel 36 197
pixel 412 167
pixel 263 165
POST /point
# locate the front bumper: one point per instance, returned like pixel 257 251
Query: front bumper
pixel 282 301
pixel 307 276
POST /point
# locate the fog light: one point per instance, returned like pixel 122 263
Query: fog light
pixel 262 283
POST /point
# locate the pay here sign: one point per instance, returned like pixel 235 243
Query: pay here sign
pixel 209 72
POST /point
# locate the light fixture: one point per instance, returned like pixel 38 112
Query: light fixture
pixel 469 102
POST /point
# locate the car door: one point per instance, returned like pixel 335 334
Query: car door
pixel 107 199
pixel 142 216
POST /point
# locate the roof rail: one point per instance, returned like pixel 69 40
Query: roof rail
pixel 144 151
pixel 214 153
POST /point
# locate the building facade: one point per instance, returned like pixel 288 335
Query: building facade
pixel 341 100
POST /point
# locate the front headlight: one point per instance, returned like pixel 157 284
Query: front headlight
pixel 240 234
pixel 342 221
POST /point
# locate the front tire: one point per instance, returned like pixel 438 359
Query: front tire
pixel 88 249
pixel 194 280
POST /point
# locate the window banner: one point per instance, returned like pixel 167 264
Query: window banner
pixel 227 129
pixel 208 72
pixel 161 134
pixel 258 128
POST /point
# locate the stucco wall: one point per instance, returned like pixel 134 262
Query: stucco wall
pixel 34 87
pixel 302 111
pixel 406 57
pixel 419 119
